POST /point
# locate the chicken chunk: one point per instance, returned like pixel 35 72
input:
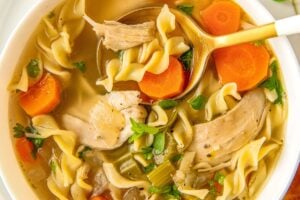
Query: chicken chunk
pixel 109 124
pixel 215 141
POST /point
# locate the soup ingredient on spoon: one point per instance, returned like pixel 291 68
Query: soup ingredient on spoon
pixel 165 85
pixel 25 148
pixel 244 64
pixel 222 17
pixel 41 98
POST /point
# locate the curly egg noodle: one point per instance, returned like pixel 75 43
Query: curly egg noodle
pixel 105 139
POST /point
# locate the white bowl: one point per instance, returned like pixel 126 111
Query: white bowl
pixel 287 164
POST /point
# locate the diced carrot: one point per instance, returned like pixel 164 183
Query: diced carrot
pixel 165 85
pixel 42 97
pixel 25 150
pixel 221 17
pixel 219 187
pixel 244 64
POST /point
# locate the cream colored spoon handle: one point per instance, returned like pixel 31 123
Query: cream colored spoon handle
pixel 287 26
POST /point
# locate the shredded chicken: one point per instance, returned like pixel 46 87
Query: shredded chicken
pixel 109 124
pixel 118 36
pixel 215 141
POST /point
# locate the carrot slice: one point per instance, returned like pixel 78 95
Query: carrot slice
pixel 244 64
pixel 165 85
pixel 25 148
pixel 221 17
pixel 42 97
pixel 99 198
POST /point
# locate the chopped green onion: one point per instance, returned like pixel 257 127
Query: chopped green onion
pixel 81 66
pixel 273 83
pixel 186 59
pixel 186 8
pixel 167 104
pixel 161 175
pixel 33 69
pixel 159 143
pixel 198 102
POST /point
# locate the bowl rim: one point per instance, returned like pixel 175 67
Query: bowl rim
pixel 11 172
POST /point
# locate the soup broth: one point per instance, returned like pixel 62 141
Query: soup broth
pixel 89 122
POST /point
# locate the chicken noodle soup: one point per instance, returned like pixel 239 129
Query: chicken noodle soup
pixel 93 114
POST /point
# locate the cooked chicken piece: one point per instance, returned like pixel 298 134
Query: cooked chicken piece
pixel 118 36
pixel 109 124
pixel 215 141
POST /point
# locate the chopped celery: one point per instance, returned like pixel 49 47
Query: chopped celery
pixel 161 175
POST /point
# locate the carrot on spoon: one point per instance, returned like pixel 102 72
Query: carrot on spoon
pixel 42 97
pixel 165 85
pixel 221 17
pixel 245 64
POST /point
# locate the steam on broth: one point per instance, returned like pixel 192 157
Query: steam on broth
pixel 111 130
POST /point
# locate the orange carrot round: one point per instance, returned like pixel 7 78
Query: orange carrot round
pixel 221 17
pixel 244 64
pixel 165 85
pixel 99 198
pixel 42 97
pixel 25 148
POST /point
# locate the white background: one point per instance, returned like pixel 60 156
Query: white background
pixel 13 10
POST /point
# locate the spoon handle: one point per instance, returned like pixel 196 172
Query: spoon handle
pixel 286 26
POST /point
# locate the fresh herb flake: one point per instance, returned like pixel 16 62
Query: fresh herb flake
pixel 53 166
pixel 81 66
pixel 219 178
pixel 168 104
pixel 147 152
pixel 273 83
pixel 259 43
pixel 19 131
pixel 81 153
pixel 186 8
pixel 198 102
pixel 186 59
pixel 159 143
pixel 140 129
pixel 168 191
pixel 149 168
pixel 176 158
pixel 33 68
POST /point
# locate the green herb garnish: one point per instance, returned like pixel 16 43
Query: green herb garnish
pixel 218 179
pixel 159 143
pixel 147 152
pixel 198 102
pixel 149 168
pixel 140 129
pixel 176 158
pixel 186 59
pixel 168 191
pixel 81 66
pixel 167 104
pixel 33 69
pixel 273 83
pixel 186 8
pixel 19 131
pixel 81 153
pixel 53 165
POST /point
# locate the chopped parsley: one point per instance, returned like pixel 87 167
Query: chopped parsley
pixel 176 158
pixel 53 165
pixel 140 129
pixel 168 191
pixel 186 59
pixel 149 168
pixel 81 66
pixel 147 152
pixel 186 8
pixel 33 68
pixel 216 184
pixel 81 153
pixel 20 131
pixel 168 104
pixel 198 102
pixel 273 83
pixel 259 43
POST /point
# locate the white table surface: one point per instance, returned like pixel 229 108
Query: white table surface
pixel 13 10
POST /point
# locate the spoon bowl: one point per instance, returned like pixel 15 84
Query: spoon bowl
pixel 204 44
